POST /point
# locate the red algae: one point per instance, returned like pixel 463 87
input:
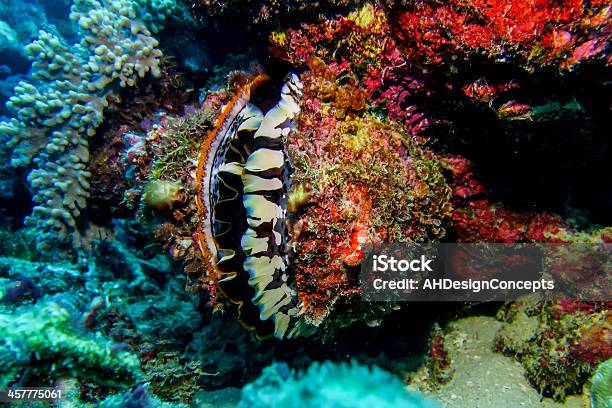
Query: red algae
pixel 368 183
pixel 537 32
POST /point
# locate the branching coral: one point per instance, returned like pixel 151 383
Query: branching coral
pixel 63 103
pixel 42 338
pixel 329 385
pixel 155 12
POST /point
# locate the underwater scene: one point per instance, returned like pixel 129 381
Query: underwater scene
pixel 305 204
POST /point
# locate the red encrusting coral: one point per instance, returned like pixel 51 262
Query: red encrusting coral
pixel 439 362
pixel 593 343
pixel 362 43
pixel 535 32
pixel 476 219
pixel 483 221
pixel 561 307
pixel 367 182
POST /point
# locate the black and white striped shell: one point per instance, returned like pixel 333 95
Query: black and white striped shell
pixel 244 186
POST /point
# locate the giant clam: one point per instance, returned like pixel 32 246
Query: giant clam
pixel 350 181
pixel 242 180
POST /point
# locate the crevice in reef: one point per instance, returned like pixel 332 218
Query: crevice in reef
pixel 552 160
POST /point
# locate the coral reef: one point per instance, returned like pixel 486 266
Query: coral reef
pixel 368 182
pixel 559 343
pixel 363 42
pixel 323 130
pixel 62 104
pixel 41 338
pixel 330 385
pixel 133 297
pixel 535 116
pixel 101 321
pixel 357 86
pixel 534 34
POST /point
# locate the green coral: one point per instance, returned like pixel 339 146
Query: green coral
pixel 329 385
pixel 601 391
pixel 43 339
pixel 62 104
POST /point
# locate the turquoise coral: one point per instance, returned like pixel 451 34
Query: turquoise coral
pixel 138 398
pixel 63 102
pixel 601 391
pixel 155 12
pixel 43 339
pixel 330 385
